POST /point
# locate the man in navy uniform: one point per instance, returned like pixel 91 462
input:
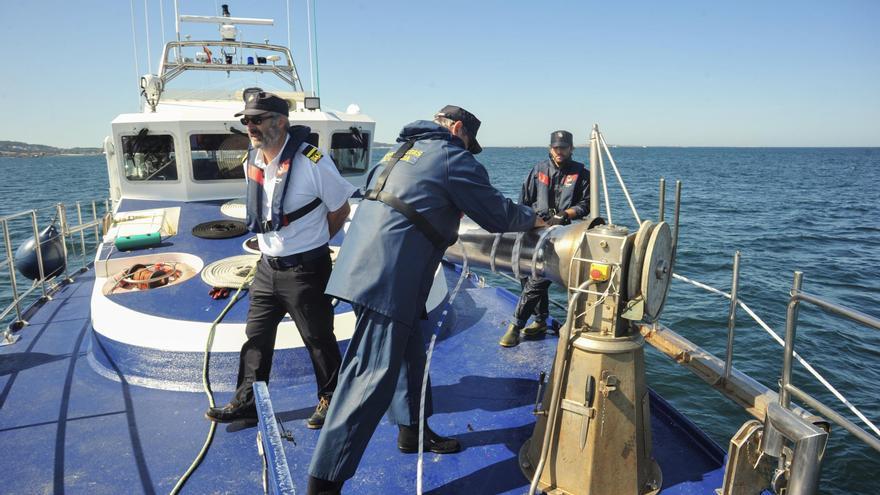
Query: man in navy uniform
pixel 296 201
pixel 558 189
pixel 385 269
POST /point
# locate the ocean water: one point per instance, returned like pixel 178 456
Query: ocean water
pixel 784 209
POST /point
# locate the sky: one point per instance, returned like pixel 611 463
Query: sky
pixel 676 73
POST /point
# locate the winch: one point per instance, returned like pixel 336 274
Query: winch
pixel 593 432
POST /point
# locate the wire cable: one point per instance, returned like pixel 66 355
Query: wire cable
pixel 206 383
pixel 605 188
pixel 619 179
pixel 437 328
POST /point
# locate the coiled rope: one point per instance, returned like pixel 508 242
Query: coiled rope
pixel 206 384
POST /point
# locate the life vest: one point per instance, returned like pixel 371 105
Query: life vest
pixel 254 220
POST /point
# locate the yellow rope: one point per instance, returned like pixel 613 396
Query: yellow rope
pixel 206 383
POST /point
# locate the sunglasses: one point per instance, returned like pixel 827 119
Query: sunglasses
pixel 256 120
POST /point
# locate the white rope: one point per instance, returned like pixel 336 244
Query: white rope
pixel 619 179
pixel 440 321
pixel 147 29
pixel 229 272
pixel 605 188
pixel 781 342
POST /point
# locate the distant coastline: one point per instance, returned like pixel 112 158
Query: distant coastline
pixel 19 149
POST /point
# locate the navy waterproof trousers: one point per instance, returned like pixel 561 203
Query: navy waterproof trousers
pixel 382 370
pixel 534 300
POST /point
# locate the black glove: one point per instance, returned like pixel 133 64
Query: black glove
pixel 559 219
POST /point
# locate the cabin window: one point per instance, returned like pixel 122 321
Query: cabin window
pixel 149 157
pixel 350 151
pixel 218 156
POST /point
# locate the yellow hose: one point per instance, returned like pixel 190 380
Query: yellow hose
pixel 206 384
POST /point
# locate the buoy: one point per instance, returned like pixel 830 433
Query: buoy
pixel 137 241
pixel 51 250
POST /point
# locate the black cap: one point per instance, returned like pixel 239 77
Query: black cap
pixel 259 102
pixel 470 122
pixel 561 138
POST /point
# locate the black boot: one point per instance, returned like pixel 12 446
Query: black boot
pixel 408 441
pixel 232 412
pixel 317 486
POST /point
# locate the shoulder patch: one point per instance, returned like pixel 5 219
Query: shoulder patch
pixel 411 156
pixel 313 154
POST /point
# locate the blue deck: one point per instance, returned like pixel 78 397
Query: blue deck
pixel 71 430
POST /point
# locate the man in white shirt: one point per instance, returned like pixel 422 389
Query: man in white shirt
pixel 296 202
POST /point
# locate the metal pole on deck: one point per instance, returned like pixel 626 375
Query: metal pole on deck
pixel 82 234
pixel 662 212
pixel 39 250
pixel 790 330
pixel 62 218
pixel 10 260
pixel 594 171
pixel 731 317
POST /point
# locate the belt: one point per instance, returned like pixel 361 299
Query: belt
pixel 293 260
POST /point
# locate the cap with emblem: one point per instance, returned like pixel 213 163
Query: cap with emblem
pixel 471 124
pixel 260 102
pixel 561 138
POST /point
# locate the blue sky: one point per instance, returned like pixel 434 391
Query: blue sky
pixel 688 73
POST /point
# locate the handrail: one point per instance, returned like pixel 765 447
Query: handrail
pixel 818 376
pixel 786 389
pixel 66 231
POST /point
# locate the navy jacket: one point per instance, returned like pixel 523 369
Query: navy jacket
pixel 548 187
pixel 387 264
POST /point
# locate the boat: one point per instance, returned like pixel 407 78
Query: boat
pixel 108 373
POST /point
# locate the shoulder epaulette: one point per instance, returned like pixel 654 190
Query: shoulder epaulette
pixel 312 153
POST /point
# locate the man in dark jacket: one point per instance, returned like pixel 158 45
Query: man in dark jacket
pixel 558 189
pixel 385 269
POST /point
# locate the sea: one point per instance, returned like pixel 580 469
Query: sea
pixel 814 210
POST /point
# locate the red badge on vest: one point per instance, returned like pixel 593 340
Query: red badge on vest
pixel 282 168
pixel 255 174
pixel 570 179
pixel 543 179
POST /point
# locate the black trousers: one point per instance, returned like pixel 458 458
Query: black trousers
pixel 299 291
pixel 533 300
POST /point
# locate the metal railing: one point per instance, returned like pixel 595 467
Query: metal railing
pixel 46 284
pixel 786 389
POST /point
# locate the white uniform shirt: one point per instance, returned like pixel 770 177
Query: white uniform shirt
pixel 308 180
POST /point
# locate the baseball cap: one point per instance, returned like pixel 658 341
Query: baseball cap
pixel 471 124
pixel 561 138
pixel 258 102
